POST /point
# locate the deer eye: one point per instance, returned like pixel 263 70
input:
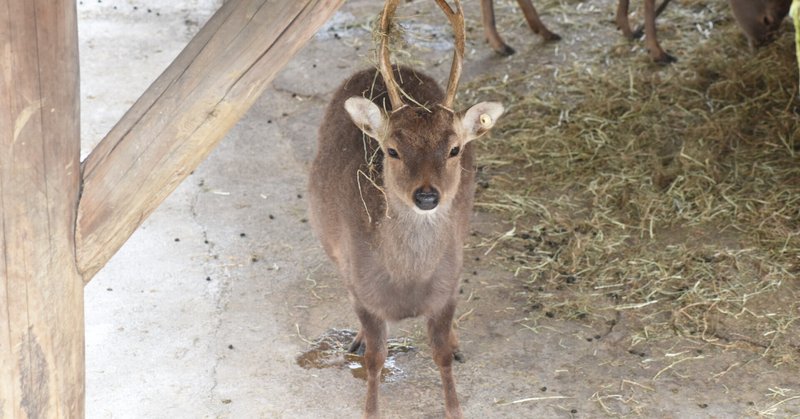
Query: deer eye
pixel 454 151
pixel 392 153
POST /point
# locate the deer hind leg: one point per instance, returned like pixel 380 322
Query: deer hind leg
pixel 490 30
pixel 623 22
pixel 534 22
pixel 373 332
pixel 444 344
pixel 357 346
pixel 651 40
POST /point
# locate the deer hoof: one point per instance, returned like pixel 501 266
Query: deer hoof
pixel 664 59
pixel 458 356
pixel 505 51
pixel 551 37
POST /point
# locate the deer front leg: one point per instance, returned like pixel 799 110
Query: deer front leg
pixel 444 345
pixel 373 331
pixel 651 40
pixel 490 30
pixel 534 22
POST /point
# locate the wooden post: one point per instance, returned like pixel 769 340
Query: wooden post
pixel 41 291
pixel 52 238
pixel 184 114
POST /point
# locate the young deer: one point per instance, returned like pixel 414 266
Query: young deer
pixel 392 207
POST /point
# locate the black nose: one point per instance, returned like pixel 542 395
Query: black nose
pixel 426 198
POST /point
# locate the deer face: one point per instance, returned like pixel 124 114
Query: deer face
pixel 422 148
pixel 760 19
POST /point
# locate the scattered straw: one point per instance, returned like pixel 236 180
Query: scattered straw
pixel 670 193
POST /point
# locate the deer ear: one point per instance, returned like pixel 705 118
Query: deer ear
pixel 366 115
pixel 480 118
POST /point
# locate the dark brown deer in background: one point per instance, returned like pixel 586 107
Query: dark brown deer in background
pixel 392 206
pixel 760 19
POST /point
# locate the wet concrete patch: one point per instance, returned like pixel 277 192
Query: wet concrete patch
pixel 331 351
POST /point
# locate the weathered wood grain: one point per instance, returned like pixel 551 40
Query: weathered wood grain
pixel 41 291
pixel 184 114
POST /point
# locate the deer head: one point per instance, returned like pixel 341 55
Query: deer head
pixel 422 146
pixel 760 20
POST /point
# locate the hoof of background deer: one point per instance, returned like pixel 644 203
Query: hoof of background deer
pixel 504 50
pixel 459 356
pixel 550 36
pixel 662 58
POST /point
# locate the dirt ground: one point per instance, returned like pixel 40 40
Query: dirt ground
pixel 206 310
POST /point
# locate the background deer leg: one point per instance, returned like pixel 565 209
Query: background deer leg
pixel 534 22
pixel 640 29
pixel 623 22
pixel 651 40
pixel 373 331
pixel 490 30
pixel 444 344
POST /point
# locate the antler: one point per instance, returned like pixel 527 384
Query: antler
pixel 457 22
pixel 456 19
pixel 385 62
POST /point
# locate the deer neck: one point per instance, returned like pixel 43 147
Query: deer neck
pixel 413 244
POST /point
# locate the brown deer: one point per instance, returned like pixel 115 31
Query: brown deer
pixel 760 19
pixel 531 16
pixel 392 206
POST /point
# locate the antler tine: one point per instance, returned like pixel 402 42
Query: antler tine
pixel 456 19
pixel 385 61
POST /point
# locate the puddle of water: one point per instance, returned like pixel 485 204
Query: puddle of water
pixel 330 351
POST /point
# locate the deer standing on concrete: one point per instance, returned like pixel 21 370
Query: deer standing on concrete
pixel 392 206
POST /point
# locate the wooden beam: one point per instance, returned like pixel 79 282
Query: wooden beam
pixel 41 291
pixel 184 114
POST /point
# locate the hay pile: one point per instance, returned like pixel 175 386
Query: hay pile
pixel 672 195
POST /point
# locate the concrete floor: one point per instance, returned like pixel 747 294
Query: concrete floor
pixel 204 311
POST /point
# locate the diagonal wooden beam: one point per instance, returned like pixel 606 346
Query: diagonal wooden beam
pixel 184 114
pixel 41 291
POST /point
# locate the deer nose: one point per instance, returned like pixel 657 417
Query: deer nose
pixel 426 198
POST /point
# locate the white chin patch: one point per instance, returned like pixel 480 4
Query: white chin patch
pixel 424 212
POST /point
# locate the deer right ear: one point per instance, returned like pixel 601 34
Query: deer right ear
pixel 366 115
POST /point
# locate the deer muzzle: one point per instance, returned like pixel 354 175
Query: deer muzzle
pixel 426 199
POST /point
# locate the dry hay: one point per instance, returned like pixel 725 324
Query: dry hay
pixel 669 194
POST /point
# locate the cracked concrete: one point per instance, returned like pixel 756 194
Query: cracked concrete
pixel 204 311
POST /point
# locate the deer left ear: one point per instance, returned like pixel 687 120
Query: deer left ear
pixel 480 118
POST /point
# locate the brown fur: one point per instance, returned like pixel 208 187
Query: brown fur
pixel 395 262
pixel 760 19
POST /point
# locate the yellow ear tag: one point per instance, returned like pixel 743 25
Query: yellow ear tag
pixel 486 120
